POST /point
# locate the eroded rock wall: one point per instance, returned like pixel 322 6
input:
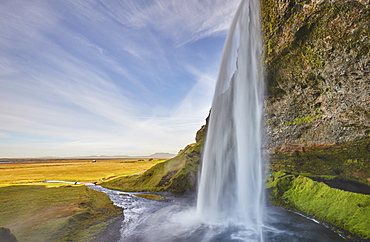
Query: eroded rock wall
pixel 317 66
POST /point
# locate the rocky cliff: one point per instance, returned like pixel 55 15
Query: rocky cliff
pixel 317 109
pixel 317 66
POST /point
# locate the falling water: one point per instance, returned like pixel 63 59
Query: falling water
pixel 230 203
pixel 231 183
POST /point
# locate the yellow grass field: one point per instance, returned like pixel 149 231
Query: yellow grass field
pixel 69 170
pixel 35 211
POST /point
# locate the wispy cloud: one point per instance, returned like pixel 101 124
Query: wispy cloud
pixel 180 21
pixel 107 77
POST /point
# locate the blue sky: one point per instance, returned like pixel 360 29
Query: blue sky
pixel 101 77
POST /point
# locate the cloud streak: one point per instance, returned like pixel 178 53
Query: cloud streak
pixel 107 77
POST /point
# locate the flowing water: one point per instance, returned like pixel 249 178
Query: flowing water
pixel 231 182
pixel 176 220
pixel 230 203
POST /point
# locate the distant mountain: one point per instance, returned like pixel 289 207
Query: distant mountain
pixel 158 155
pixel 162 155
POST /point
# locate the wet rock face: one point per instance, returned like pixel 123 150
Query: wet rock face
pixel 318 71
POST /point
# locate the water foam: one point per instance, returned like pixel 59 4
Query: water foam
pixel 231 186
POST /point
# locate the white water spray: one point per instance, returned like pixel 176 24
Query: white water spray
pixel 231 182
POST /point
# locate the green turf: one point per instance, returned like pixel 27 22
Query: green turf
pixel 347 210
pixel 38 213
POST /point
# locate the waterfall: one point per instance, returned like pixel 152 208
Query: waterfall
pixel 231 182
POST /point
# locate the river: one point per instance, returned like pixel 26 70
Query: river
pixel 175 219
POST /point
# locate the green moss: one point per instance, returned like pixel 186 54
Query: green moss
pixel 178 174
pixel 350 211
pixel 326 177
pixel 306 119
pixel 151 196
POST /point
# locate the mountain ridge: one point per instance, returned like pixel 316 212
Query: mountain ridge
pixel 158 155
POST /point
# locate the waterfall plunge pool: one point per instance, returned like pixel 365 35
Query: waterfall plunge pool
pixel 175 219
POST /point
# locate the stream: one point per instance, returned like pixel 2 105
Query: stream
pixel 175 219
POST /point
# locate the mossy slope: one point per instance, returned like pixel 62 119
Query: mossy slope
pixel 178 174
pixel 347 210
pixel 71 213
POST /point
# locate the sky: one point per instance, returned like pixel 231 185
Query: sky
pixel 101 77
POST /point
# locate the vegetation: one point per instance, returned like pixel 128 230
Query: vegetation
pixel 150 196
pixel 68 213
pixel 306 119
pixel 70 170
pixel 178 174
pixel 346 210
pixel 35 211
pixel 316 54
pixel 316 59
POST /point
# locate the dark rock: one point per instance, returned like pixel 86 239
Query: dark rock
pixel 6 235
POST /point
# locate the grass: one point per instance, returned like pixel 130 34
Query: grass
pixel 176 175
pixel 70 170
pixel 150 196
pixel 38 213
pixel 347 210
pixel 146 181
